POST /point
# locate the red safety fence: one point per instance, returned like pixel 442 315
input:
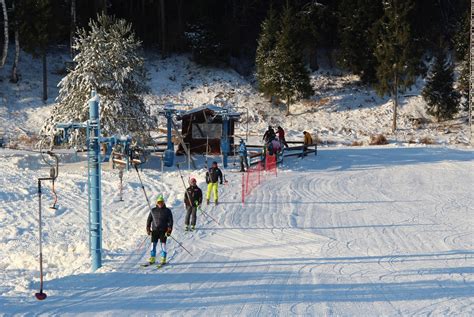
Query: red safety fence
pixel 254 175
pixel 271 163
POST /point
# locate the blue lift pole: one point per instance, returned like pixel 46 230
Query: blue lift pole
pixel 95 201
pixel 169 153
pixel 225 146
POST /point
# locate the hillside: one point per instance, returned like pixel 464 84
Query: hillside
pixel 341 111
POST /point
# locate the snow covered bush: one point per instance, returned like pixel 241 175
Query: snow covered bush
pixel 107 61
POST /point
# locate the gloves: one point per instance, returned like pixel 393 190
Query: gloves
pixel 168 232
pixel 148 231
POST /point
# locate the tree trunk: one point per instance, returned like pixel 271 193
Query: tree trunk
pixel 45 77
pixel 288 105
pixel 5 29
pixel 395 103
pixel 163 31
pixel 14 77
pixel 73 27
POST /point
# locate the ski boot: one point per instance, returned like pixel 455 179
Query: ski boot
pixel 163 258
pixel 186 228
pixel 193 228
pixel 207 202
pixel 217 202
pixel 151 260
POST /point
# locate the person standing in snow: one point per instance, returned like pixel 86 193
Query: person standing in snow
pixel 269 134
pixel 192 200
pixel 308 140
pixel 159 225
pixel 281 136
pixel 213 175
pixel 243 155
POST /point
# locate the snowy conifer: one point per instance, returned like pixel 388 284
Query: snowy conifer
pixel 286 65
pixel 266 44
pixel 441 98
pixel 397 61
pixel 357 48
pixel 107 61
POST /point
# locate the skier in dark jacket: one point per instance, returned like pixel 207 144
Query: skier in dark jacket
pixel 281 136
pixel 192 200
pixel 212 176
pixel 269 134
pixel 159 225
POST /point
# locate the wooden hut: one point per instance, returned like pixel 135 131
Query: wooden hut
pixel 202 128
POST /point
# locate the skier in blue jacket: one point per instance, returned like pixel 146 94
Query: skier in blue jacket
pixel 243 155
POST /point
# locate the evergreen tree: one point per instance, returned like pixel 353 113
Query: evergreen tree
pixel 357 44
pixel 266 44
pixel 316 22
pixel 204 45
pixel 285 65
pixel 441 98
pixel 37 28
pixel 107 60
pixel 398 64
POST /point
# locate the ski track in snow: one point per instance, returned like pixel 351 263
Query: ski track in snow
pixel 351 232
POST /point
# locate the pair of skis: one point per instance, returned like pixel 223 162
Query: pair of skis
pixel 158 266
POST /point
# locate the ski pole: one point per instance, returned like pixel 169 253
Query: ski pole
pixel 143 187
pixel 180 244
pixel 206 214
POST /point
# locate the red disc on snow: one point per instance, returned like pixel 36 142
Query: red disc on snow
pixel 40 296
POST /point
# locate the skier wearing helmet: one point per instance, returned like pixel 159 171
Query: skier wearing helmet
pixel 213 175
pixel 159 225
pixel 192 200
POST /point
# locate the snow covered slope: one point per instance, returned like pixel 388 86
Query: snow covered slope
pixel 351 232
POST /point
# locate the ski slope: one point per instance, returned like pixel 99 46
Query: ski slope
pixel 379 231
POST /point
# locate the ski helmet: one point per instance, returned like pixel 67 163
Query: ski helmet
pixel 160 198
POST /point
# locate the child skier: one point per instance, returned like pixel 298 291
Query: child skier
pixel 192 200
pixel 159 225
pixel 212 176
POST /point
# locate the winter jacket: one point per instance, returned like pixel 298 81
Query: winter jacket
pixel 242 149
pixel 308 139
pixel 195 194
pixel 160 219
pixel 269 135
pixel 213 175
pixel 281 134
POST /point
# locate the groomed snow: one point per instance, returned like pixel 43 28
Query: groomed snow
pixel 378 231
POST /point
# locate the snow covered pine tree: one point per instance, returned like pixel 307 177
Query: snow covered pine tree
pixel 108 62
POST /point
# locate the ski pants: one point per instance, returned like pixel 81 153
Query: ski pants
pixel 155 236
pixel 243 159
pixel 191 212
pixel 212 187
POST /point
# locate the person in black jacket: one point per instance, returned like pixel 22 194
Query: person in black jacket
pixel 192 200
pixel 269 135
pixel 212 176
pixel 159 225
